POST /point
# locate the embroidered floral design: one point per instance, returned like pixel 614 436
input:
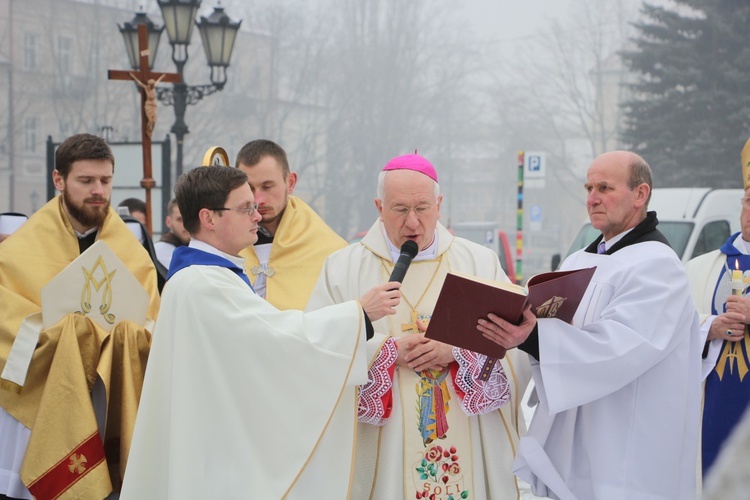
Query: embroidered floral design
pixel 440 472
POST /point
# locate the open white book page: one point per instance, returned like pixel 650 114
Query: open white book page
pixel 505 285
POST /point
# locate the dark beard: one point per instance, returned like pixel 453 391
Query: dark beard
pixel 87 216
pixel 275 219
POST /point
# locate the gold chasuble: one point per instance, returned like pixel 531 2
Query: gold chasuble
pixel 301 244
pixel 65 454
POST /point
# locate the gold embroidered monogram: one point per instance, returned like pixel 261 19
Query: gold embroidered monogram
pixel 86 293
pixel 733 355
pixel 99 286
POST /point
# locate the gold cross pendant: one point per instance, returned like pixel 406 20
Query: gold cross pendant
pixel 411 327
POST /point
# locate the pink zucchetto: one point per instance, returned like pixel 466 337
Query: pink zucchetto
pixel 412 162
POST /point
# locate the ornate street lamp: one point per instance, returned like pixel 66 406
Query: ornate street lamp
pixel 179 16
pixel 218 33
pixel 129 32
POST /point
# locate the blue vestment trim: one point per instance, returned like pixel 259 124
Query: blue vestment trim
pixel 727 396
pixel 186 256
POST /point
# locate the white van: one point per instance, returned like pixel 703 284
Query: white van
pixel 694 220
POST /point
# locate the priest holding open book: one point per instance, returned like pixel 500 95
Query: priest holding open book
pixel 619 387
pixel 431 426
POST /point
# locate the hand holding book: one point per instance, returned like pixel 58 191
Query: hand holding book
pixel 464 300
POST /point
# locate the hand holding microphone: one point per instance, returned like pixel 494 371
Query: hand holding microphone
pixel 409 250
pixel 382 300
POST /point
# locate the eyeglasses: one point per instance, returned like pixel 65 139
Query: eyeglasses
pixel 745 202
pixel 402 211
pixel 248 210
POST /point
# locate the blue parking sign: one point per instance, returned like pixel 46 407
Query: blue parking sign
pixel 534 165
pixel 535 213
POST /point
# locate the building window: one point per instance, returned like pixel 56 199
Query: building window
pixel 65 54
pixel 29 134
pixel 29 51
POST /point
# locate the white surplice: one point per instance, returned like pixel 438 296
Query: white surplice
pixel 385 467
pixel 241 400
pixel 619 389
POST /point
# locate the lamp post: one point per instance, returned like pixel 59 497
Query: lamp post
pixel 218 33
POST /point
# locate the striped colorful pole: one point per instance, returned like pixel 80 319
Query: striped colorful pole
pixel 519 221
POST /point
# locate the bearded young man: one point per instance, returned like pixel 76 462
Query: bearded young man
pixel 32 256
pixel 293 241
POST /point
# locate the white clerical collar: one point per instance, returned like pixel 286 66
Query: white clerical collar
pixel 86 232
pixel 429 253
pixel 742 245
pixel 202 245
pixel 610 242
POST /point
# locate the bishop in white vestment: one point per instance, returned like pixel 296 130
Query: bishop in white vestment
pixel 443 432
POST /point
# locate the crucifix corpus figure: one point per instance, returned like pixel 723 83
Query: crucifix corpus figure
pixel 149 106
pixel 147 81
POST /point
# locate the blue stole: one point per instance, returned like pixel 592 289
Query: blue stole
pixel 186 256
pixel 727 391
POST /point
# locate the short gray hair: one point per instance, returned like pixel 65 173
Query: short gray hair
pixel 381 185
pixel 640 173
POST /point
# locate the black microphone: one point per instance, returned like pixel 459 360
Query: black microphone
pixel 409 250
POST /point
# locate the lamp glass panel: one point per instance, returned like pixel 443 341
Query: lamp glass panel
pixel 218 41
pixel 130 38
pixel 178 19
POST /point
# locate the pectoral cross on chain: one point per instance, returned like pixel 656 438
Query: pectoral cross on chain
pixel 411 327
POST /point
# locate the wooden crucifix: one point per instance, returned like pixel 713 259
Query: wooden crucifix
pixel 146 80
